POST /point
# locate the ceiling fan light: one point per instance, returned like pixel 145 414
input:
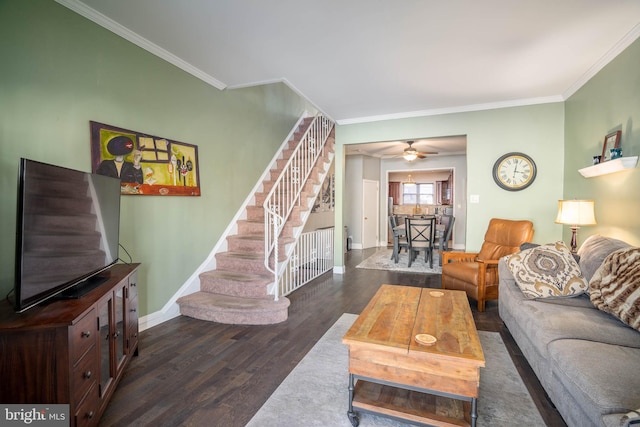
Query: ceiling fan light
pixel 410 155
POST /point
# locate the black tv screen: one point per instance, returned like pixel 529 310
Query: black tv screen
pixel 67 230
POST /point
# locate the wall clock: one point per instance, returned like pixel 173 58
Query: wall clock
pixel 514 171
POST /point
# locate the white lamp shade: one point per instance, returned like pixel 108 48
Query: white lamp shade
pixel 576 212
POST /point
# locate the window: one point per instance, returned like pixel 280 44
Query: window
pixel 414 194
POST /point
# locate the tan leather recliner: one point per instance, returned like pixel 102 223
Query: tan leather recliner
pixel 477 273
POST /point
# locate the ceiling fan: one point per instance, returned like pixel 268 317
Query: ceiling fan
pixel 410 153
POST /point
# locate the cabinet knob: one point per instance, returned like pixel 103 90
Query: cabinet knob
pixel 86 334
pixel 132 284
pixel 133 310
pixel 116 334
pixel 87 375
pixel 89 414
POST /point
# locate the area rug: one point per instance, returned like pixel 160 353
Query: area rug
pixel 315 392
pixel 381 260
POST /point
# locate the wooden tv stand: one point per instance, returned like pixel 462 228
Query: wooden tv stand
pixel 71 351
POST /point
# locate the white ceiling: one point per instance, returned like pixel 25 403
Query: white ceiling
pixel 361 60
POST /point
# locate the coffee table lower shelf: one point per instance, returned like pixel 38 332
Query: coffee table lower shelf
pixel 422 407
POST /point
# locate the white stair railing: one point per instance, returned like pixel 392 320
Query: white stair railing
pixel 285 193
pixel 312 256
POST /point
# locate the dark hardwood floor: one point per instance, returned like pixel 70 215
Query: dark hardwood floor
pixel 195 373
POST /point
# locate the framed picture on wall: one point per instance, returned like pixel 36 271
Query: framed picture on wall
pixel 146 164
pixel 610 141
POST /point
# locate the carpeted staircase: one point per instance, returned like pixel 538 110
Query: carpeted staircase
pixel 236 292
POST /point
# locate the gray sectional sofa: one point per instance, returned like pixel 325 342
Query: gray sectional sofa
pixel 588 361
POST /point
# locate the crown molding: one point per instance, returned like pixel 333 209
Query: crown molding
pixel 452 110
pixel 624 43
pixel 111 25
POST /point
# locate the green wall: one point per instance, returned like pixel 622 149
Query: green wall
pixel 60 70
pixel 610 101
pixel 537 130
pixel 561 138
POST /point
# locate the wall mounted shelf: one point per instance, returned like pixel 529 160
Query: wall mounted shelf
pixel 610 166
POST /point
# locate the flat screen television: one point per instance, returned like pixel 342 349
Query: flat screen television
pixel 67 232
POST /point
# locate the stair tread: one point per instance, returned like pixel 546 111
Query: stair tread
pixel 256 221
pixel 259 237
pixel 209 300
pixel 239 276
pixel 244 255
pixel 248 237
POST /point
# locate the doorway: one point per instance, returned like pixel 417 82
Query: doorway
pixel 370 213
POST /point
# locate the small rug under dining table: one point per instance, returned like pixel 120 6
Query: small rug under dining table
pixel 381 260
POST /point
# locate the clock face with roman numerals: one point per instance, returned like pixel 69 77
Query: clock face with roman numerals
pixel 514 171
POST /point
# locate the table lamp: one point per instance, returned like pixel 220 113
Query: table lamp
pixel 575 213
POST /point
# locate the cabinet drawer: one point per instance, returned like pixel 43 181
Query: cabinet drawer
pixel 87 413
pixel 83 335
pixel 132 324
pixel 133 285
pixel 84 374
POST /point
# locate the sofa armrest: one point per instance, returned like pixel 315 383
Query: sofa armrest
pixel 504 271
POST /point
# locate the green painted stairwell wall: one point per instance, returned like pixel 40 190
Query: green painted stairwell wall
pixel 60 70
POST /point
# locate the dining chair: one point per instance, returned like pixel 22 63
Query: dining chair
pixel 442 239
pixel 398 235
pixel 420 237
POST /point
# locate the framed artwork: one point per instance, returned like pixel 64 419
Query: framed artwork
pixel 147 165
pixel 325 202
pixel 610 141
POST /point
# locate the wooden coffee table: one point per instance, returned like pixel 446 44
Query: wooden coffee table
pixel 396 376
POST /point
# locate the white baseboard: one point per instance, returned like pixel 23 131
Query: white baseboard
pixel 158 317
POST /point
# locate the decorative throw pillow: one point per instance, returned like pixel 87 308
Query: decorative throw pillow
pixel 529 245
pixel 547 271
pixel 615 286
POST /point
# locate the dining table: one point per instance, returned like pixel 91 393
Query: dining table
pixel 400 229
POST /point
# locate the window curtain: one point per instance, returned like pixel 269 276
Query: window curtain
pixel 395 192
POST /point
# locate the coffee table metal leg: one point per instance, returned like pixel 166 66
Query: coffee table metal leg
pixel 474 411
pixel 351 414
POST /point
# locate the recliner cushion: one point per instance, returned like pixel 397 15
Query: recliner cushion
pixel 465 271
pixel 504 237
